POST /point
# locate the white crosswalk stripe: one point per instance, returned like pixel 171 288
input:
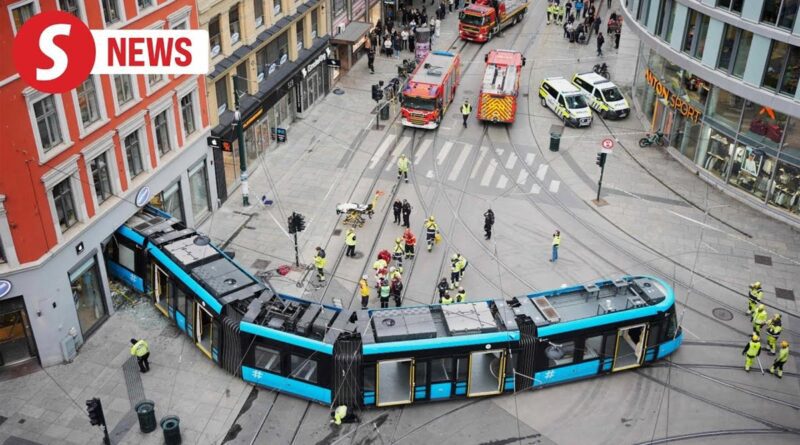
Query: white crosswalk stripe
pixel 477 166
pixel 541 172
pixel 512 161
pixel 535 189
pixel 423 148
pixel 523 177
pixel 396 152
pixel 430 174
pixel 487 176
pixel 502 182
pixel 445 151
pixel 381 150
pixel 462 158
pixel 499 151
pixel 554 186
pixel 529 158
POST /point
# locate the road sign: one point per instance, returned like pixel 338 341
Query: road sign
pixel 214 142
pixel 608 144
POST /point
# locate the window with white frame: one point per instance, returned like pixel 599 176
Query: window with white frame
pixel 124 88
pixel 233 23
pixel 71 6
pixel 133 152
pixel 88 103
pixel 144 4
pixel 20 12
pixel 101 177
pixel 111 11
pixel 314 23
pixel 2 254
pixel 65 204
pixel 214 39
pixel 188 114
pixel 48 122
pixel 276 7
pixel 221 88
pixel 154 79
pixel 198 190
pixel 161 128
pixel 299 33
pixel 258 12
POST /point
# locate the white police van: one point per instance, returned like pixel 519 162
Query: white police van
pixel 566 101
pixel 602 95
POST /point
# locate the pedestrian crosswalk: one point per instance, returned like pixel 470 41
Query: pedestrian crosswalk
pixel 491 167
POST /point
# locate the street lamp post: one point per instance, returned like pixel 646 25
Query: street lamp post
pixel 237 116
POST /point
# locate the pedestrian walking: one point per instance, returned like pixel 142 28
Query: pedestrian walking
pixel 783 356
pixel 751 350
pixel 759 319
pixel 385 292
pixel 319 263
pixel 431 230
pixel 371 60
pixel 556 244
pixel 450 5
pixel 596 25
pixel 616 38
pixel 461 296
pixel 402 167
pixel 363 287
pixel 568 8
pixel 600 41
pixel 442 287
pixel 466 109
pixel 350 242
pixel 488 222
pixel 406 214
pixel 387 46
pixel 397 210
pixel 397 253
pixel 774 328
pixel 754 297
pixel 437 27
pixel 404 39
pixel 141 350
pixel 410 242
pixel 395 289
pixel 578 8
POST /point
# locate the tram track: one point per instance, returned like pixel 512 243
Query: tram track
pixel 713 433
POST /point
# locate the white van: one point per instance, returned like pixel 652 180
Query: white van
pixel 566 101
pixel 602 95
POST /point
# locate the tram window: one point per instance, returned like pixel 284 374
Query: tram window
pixel 180 300
pixel 462 368
pixel 559 354
pixel 672 324
pixel 592 347
pixel 127 257
pixel 303 368
pixel 268 359
pixel 369 378
pixel 420 373
pixel 205 330
pixel 610 344
pixel 653 338
pixel 441 369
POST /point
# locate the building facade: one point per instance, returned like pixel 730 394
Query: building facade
pixel 269 58
pixel 720 78
pixel 76 166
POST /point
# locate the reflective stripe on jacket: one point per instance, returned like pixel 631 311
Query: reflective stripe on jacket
pixel 557 240
pixel 140 348
pixel 783 355
pixel 753 348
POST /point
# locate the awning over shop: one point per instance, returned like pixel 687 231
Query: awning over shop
pixel 352 33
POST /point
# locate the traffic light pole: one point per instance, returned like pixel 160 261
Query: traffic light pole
pixel 242 152
pixel 296 252
pixel 600 182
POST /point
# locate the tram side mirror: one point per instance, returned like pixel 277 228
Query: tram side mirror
pixel 523 61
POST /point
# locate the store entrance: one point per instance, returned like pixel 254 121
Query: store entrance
pixel 16 338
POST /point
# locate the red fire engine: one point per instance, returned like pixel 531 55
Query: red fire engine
pixel 483 19
pixel 430 90
pixel 498 99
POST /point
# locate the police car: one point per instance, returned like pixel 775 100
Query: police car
pixel 602 95
pixel 566 101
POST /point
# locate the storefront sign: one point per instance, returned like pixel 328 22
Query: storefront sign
pixel 313 64
pixel 281 133
pixel 143 196
pixel 5 288
pixel 672 99
pixel 253 118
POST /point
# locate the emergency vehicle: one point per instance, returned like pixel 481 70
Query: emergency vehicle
pixel 430 90
pixel 566 101
pixel 498 98
pixel 603 96
pixel 483 19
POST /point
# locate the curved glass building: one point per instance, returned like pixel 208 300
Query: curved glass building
pixel 720 78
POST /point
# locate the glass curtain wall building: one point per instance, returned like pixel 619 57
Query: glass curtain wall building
pixel 720 78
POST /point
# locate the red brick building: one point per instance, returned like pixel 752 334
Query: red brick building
pixel 75 166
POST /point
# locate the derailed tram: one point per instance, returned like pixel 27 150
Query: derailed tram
pixel 387 357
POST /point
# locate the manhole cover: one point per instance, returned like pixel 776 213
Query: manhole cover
pixel 763 260
pixel 337 232
pixel 338 91
pixel 722 314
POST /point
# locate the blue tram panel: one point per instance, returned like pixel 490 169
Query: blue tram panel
pixel 388 357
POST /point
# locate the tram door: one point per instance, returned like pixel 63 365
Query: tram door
pixel 206 331
pixel 395 382
pixel 486 373
pixel 161 290
pixel 630 349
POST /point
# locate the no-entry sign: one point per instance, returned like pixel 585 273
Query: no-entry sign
pixel 608 144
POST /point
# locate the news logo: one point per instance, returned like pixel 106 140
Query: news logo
pixel 55 52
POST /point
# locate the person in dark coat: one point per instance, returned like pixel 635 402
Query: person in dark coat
pixel 397 208
pixel 406 214
pixel 596 24
pixel 488 222
pixel 600 41
pixel 371 60
pixel 616 38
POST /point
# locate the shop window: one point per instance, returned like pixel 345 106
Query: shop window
pixel 751 171
pixel 198 190
pixel 133 151
pixel 788 14
pixel 441 369
pixel 65 204
pixel 303 368
pixel 725 108
pixel 101 178
pixel 717 152
pixel 170 201
pixel 221 89
pixel 268 359
pixel 734 6
pixel 233 23
pixel 214 39
pixel 763 125
pixel 258 12
pixel 87 294
pixel 785 189
pixel 70 6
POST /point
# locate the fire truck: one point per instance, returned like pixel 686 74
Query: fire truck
pixel 482 20
pixel 430 90
pixel 498 98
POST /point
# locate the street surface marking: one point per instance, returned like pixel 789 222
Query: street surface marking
pixel 446 128
pixel 529 158
pixel 430 174
pixel 554 186
pixel 499 151
pixel 396 153
pixel 445 151
pixel 487 176
pixel 690 332
pixel 462 158
pixel 501 183
pixel 541 172
pixel 381 150
pixel 512 161
pixel 709 246
pixel 423 148
pixel 478 163
pixel 523 177
pixel 535 189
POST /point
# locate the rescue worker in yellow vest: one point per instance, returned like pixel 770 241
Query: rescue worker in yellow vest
pixel 774 328
pixel 397 253
pixel 783 356
pixel 461 296
pixel 447 299
pixel 549 11
pixel 340 415
pixel 462 265
pixel 466 109
pixel 431 230
pixel 556 244
pixel 754 297
pixel 760 318
pixel 455 273
pixel 350 242
pixel 363 287
pixel 751 351
pixel 385 291
pixel 319 263
pixel 402 167
pixel 380 269
pixel 562 11
pixel 141 351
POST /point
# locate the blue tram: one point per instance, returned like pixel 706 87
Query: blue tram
pixel 387 357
